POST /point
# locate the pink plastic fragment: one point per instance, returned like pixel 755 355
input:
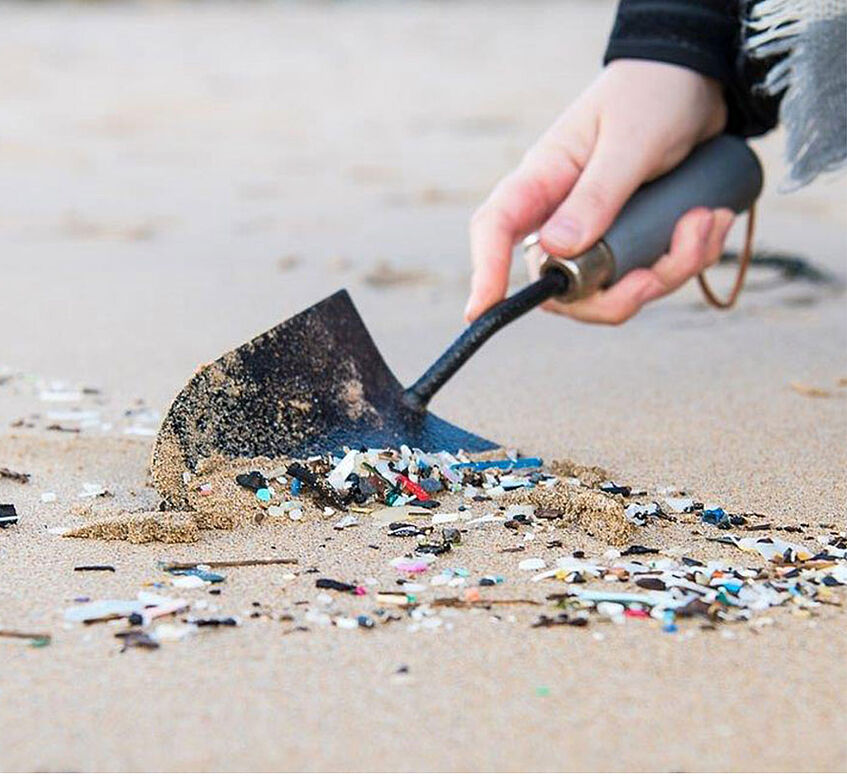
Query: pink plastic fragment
pixel 413 567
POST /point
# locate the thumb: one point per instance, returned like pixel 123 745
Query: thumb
pixel 613 173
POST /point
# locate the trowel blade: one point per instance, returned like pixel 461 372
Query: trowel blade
pixel 310 385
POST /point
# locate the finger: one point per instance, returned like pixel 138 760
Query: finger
pixel 612 175
pixel 697 241
pixel 516 207
pixel 724 220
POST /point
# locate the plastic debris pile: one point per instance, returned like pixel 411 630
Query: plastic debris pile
pixel 361 482
pixel 424 509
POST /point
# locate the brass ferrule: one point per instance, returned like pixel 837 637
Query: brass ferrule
pixel 587 273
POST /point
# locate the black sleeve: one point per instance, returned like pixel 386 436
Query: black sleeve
pixel 704 35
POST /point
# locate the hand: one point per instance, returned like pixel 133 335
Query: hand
pixel 638 120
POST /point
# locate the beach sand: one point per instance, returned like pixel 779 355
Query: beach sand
pixel 178 178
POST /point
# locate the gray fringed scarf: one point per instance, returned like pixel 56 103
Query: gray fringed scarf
pixel 813 36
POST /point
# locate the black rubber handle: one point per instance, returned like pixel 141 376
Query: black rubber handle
pixel 721 173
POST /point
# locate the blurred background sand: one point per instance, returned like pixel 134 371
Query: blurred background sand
pixel 177 177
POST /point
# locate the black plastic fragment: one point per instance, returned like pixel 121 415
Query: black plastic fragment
pixel 213 622
pixel 433 549
pixel 320 486
pixel 651 583
pixel 252 480
pixel 637 549
pixel 562 619
pixel 328 584
pixel 15 476
pixel 136 638
pixel 404 530
pixel 8 515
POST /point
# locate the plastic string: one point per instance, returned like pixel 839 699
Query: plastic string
pixel 743 265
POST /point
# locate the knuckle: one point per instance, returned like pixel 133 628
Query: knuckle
pixel 689 263
pixel 595 197
pixel 480 218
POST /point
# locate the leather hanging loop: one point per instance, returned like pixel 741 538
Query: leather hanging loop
pixel 743 265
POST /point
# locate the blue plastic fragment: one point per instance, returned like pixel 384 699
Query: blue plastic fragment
pixel 482 465
pixel 668 624
pixel 263 494
pixel 713 516
pixel 295 486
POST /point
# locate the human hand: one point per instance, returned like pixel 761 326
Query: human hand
pixel 638 120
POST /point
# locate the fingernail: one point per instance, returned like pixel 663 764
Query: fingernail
pixel 562 234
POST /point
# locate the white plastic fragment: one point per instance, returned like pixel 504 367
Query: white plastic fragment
pixel 188 582
pixel 640 511
pixel 531 564
pixel 485 519
pixel 611 610
pixel 97 610
pixel 514 510
pixel 348 521
pixel 338 476
pixel 680 504
pixel 173 632
pixel 91 490
pixel 769 547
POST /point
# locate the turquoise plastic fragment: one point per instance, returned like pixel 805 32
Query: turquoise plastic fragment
pixel 203 574
pixel 263 494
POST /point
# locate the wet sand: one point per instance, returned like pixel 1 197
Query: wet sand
pixel 158 163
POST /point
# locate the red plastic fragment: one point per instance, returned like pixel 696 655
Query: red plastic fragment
pixel 412 487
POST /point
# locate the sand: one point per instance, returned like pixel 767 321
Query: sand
pixel 191 176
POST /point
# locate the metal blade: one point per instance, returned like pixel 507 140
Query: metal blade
pixel 310 385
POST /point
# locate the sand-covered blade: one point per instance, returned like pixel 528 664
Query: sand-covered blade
pixel 310 385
